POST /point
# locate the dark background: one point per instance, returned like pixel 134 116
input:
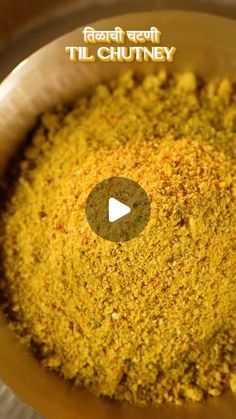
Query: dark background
pixel 26 25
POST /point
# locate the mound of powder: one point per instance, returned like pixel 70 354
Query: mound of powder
pixel 152 319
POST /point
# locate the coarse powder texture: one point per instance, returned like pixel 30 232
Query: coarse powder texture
pixel 153 319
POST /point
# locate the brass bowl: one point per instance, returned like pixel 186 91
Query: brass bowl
pixel 206 44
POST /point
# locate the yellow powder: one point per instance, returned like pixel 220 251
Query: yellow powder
pixel 153 319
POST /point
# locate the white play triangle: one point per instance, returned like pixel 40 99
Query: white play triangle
pixel 117 210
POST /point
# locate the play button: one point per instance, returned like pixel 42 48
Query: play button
pixel 117 209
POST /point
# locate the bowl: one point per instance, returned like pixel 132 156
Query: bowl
pixel 205 44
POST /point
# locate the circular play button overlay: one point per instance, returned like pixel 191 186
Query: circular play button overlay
pixel 118 209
